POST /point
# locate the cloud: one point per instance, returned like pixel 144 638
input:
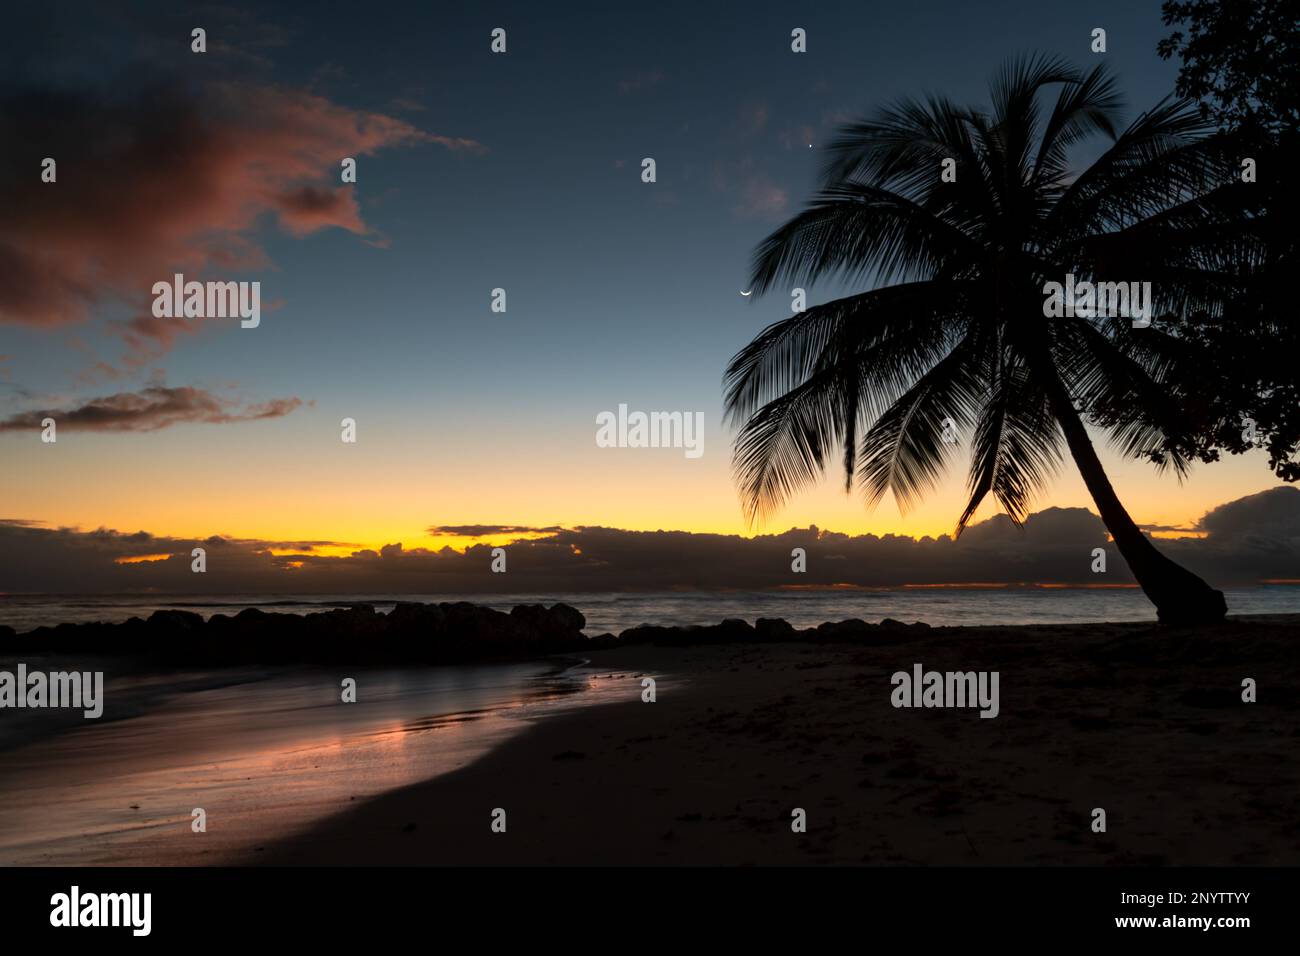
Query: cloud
pixel 760 198
pixel 262 544
pixel 157 179
pixel 147 338
pixel 483 530
pixel 1271 515
pixel 1054 547
pixel 151 409
pixel 309 209
pixel 1251 538
pixel 753 194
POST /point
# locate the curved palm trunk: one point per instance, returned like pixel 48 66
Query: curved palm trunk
pixel 1180 597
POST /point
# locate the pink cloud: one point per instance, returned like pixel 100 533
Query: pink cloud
pixel 151 409
pixel 167 182
pixel 761 198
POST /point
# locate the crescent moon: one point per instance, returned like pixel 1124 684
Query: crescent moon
pixel 750 292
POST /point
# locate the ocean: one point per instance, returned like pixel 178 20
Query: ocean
pixel 614 612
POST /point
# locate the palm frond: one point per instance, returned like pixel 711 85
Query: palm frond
pixel 1085 107
pixel 852 230
pixel 871 349
pixel 903 453
pixel 1016 447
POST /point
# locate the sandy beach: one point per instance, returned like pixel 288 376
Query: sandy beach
pixel 1148 724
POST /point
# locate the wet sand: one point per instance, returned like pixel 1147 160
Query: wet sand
pixel 1147 724
pixel 262 753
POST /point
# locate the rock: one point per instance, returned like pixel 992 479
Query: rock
pixel 853 629
pixel 176 620
pixel 412 633
pixel 889 624
pixel 534 617
pixel 647 634
pixel 495 629
pixel 773 629
pixel 552 628
pixel 732 630
pixel 413 620
pixel 568 618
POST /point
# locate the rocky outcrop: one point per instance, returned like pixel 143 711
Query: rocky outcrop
pixel 409 634
pixel 773 630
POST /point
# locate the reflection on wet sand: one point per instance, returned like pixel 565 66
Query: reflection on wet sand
pixel 263 757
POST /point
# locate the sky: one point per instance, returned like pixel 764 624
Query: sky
pixel 475 171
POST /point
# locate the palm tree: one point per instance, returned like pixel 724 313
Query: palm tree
pixel 954 333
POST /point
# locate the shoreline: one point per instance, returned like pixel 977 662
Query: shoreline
pixel 1143 722
pixel 261 760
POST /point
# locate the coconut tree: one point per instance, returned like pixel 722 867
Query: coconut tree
pixel 956 219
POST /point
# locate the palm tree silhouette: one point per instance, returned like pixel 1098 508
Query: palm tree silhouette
pixel 954 332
